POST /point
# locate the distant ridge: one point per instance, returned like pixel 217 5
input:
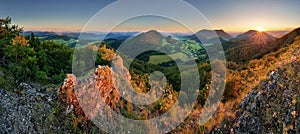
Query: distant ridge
pixel 251 33
pixel 253 36
pixel 289 38
pixel 212 36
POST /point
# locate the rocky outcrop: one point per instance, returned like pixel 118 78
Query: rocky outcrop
pixel 101 81
pixel 272 107
pixel 67 95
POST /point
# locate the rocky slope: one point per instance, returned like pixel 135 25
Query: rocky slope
pixel 27 110
pixel 272 107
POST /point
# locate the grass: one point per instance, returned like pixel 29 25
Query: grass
pixel 157 59
pixel 61 41
pixel 164 42
pixel 256 71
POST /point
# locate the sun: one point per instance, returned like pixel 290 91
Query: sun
pixel 260 29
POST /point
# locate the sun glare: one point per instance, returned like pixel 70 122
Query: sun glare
pixel 260 29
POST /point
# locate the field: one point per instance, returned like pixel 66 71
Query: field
pixel 157 59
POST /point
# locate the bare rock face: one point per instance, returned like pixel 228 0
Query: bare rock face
pixel 101 84
pixel 67 95
pixel 104 82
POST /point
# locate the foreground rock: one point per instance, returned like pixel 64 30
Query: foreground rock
pixel 28 110
pixel 272 107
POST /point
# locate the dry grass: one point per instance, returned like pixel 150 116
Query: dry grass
pixel 257 71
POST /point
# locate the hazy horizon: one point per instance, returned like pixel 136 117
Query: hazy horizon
pixel 276 33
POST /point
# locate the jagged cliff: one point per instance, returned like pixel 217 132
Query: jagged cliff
pixel 102 81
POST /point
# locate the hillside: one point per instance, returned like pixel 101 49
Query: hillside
pixel 149 40
pixel 265 92
pixel 159 45
pixel 151 37
pixel 271 107
pixel 287 39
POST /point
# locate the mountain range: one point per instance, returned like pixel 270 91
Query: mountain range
pixel 252 43
pixel 210 34
pixel 242 48
pixel 205 36
pixel 75 35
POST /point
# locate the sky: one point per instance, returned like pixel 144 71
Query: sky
pixel 229 15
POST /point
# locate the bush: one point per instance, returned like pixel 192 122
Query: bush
pixel 232 87
pixel 6 83
pixel 42 76
pixel 58 78
pixel 2 82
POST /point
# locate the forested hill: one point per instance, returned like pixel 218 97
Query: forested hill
pixel 29 59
